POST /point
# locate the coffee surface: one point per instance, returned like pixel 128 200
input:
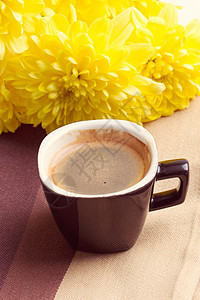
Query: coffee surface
pixel 100 162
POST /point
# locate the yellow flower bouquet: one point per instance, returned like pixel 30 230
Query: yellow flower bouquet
pixel 63 61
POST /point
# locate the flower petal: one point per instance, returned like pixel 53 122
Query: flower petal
pixel 33 7
pixel 100 25
pixel 138 18
pixel 72 13
pixel 117 55
pixel 75 29
pixel 58 23
pixel 122 28
pixel 148 86
pixel 17 45
pixel 169 14
pixel 29 24
pixel 140 53
pixel 2 49
pixel 131 90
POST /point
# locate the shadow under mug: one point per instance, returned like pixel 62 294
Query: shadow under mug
pixel 109 222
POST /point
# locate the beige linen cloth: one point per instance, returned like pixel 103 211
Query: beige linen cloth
pixel 165 262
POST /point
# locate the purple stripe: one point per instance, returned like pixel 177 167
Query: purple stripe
pixel 42 258
pixel 19 184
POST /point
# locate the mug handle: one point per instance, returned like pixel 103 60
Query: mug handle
pixel 170 169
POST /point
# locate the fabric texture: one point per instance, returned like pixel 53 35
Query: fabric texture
pixel 37 263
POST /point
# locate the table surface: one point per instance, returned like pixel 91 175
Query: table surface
pixel 37 263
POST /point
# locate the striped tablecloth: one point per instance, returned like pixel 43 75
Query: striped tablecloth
pixel 37 263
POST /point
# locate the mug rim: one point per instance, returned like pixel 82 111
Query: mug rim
pixel 132 128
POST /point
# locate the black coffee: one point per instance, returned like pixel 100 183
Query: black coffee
pixel 100 162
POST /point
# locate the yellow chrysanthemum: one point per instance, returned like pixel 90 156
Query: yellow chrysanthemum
pixel 12 36
pixel 176 62
pixel 72 72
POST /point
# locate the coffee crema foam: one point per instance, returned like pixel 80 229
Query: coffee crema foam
pixel 100 161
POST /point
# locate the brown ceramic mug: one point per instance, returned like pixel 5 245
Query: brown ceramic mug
pixel 111 222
